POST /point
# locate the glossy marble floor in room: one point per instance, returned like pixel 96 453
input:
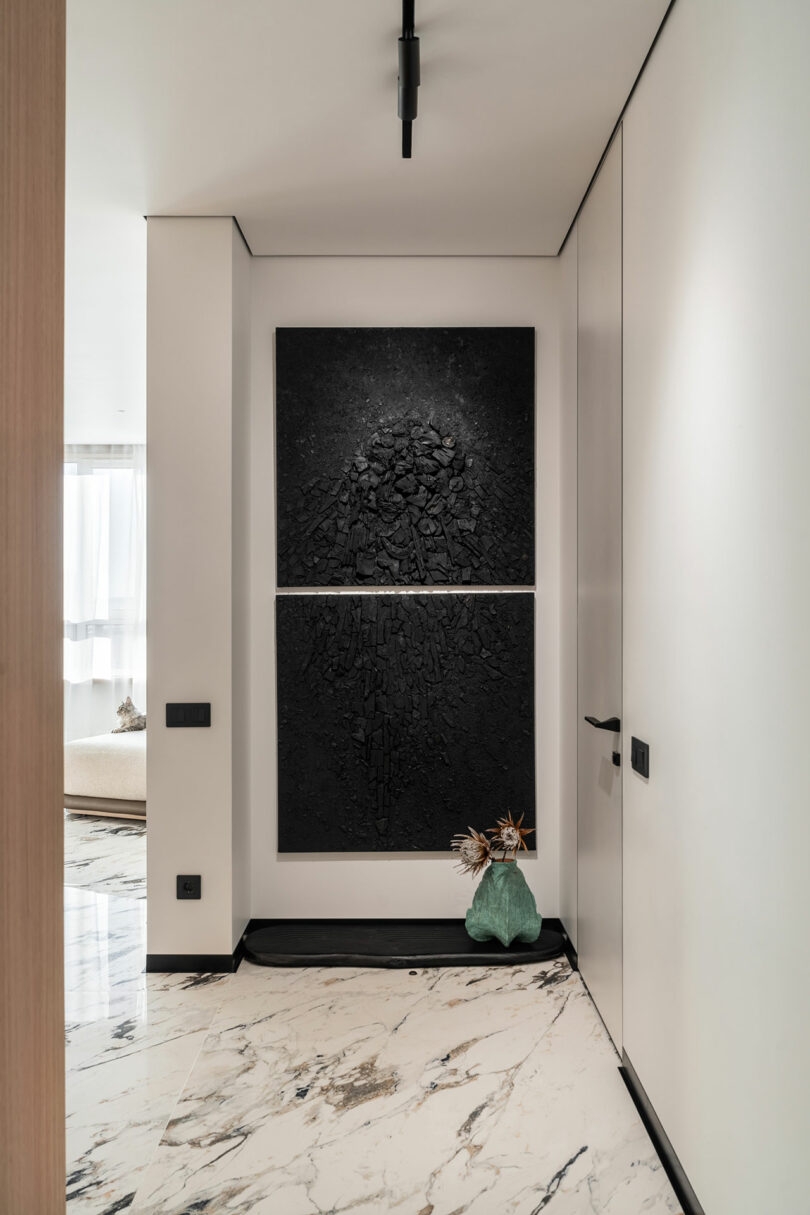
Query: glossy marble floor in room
pixel 314 1092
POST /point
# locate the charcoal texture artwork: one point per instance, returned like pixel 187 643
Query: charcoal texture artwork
pixel 402 718
pixel 405 456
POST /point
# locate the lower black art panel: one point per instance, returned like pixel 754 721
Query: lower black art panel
pixel 402 719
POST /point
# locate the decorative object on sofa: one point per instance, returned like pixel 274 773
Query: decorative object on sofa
pixel 397 712
pixel 405 457
pixel 130 717
pixel 503 906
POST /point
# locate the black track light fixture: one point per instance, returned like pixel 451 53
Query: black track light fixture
pixel 408 77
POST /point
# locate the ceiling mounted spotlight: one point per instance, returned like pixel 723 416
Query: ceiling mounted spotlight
pixel 408 76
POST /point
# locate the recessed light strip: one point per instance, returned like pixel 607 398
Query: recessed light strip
pixel 445 589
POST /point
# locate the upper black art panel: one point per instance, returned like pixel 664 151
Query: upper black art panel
pixel 405 456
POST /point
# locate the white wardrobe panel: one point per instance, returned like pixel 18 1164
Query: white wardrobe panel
pixel 599 481
pixel 717 596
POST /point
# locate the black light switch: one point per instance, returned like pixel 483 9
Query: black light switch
pixel 640 756
pixel 198 714
pixel 189 886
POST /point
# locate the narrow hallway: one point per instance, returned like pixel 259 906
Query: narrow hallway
pixel 299 1092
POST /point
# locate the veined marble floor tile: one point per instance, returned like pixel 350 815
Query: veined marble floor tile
pixel 128 1054
pixel 131 1040
pixel 468 1091
pixel 119 1102
pixel 148 995
pixel 436 1093
pixel 105 940
pixel 105 854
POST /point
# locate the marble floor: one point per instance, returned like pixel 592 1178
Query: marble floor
pixel 312 1092
pixel 105 854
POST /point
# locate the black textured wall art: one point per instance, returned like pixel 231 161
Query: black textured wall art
pixel 405 456
pixel 402 718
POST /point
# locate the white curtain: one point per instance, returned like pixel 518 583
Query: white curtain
pixel 104 580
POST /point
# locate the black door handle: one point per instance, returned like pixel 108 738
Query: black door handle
pixel 610 723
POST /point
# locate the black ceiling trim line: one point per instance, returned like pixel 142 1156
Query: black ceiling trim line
pixel 389 256
pixel 241 233
pixel 232 218
pixel 618 123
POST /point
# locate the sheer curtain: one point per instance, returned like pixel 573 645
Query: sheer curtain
pixel 104 584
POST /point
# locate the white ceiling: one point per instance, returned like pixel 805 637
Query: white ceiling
pixel 283 113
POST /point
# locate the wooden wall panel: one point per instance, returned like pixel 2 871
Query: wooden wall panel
pixel 32 138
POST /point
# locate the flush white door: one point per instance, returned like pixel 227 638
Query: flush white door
pixel 599 591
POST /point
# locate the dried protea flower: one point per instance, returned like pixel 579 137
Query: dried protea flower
pixel 509 835
pixel 474 850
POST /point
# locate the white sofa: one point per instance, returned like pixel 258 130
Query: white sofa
pixel 106 775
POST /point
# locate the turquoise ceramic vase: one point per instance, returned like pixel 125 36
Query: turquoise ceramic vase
pixel 503 907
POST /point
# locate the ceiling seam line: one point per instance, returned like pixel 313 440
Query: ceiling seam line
pixel 617 124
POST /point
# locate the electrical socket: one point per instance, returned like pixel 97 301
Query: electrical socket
pixel 189 886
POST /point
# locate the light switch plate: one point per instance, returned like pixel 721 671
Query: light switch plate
pixel 189 714
pixel 640 757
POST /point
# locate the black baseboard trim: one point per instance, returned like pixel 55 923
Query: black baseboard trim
pixel 195 963
pixel 555 923
pixel 666 1153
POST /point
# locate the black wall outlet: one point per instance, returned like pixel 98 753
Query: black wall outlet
pixel 189 886
pixel 198 714
pixel 640 756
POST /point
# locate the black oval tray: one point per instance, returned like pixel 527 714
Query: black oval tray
pixel 391 943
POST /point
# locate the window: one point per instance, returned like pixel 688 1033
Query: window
pixel 105 564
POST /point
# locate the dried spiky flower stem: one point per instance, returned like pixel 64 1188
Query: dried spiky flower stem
pixel 510 836
pixel 474 851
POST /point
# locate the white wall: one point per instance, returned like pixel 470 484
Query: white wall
pixel 717 595
pixel 194 292
pixel 105 325
pixel 599 589
pixel 568 320
pixel 240 602
pixel 397 291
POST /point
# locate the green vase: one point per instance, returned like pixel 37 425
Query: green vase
pixel 503 907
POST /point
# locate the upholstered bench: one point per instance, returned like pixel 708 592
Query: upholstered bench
pixel 106 775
